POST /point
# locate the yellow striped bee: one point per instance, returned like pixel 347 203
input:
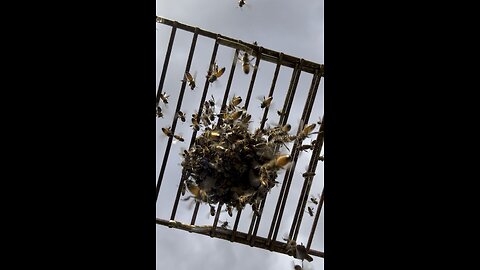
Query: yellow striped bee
pixel 246 62
pixel 266 102
pixel 181 115
pixel 167 132
pixel 215 73
pixel 190 79
pixel 164 97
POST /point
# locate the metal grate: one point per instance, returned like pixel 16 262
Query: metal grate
pixel 299 65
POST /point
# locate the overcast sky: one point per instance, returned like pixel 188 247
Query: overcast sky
pixel 291 27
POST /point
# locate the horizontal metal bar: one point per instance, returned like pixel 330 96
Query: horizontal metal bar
pixel 266 54
pixel 225 234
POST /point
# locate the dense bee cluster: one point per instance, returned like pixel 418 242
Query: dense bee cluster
pixel 230 165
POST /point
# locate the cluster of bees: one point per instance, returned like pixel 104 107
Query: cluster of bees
pixel 230 165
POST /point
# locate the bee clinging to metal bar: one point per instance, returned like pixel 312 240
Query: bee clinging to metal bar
pixel 214 73
pixel 190 79
pixel 246 62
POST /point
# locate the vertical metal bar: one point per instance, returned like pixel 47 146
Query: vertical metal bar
pixel 182 90
pixel 252 81
pixel 195 211
pixel 215 221
pixel 315 221
pixel 290 171
pixel 307 183
pixel 167 59
pixel 229 83
pixel 272 87
pixel 235 226
pixel 159 91
pixel 204 95
pixel 262 124
pixel 283 119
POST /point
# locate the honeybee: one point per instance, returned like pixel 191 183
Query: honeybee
pixel 235 115
pixel 307 130
pixel 241 3
pixel 245 62
pixel 167 132
pixel 308 174
pixel 320 158
pixel 235 101
pixel 310 211
pixel 195 124
pixel 212 210
pixel 314 200
pixel 215 73
pixel 280 113
pixel 178 137
pixel 224 225
pixel 305 147
pixel 190 79
pixel 196 191
pixel 229 210
pixel 278 162
pixel 266 102
pixel 181 115
pixel 159 112
pixel 164 97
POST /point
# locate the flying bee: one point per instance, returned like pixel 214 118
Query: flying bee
pixel 310 211
pixel 159 112
pixel 266 102
pixel 280 113
pixel 246 62
pixel 212 101
pixel 178 137
pixel 215 73
pixel 314 200
pixel 167 132
pixel 164 97
pixel 241 3
pixel 181 115
pixel 189 79
pixel 320 158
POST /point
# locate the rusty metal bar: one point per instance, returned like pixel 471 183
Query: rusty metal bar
pixel 225 234
pixel 165 62
pixel 315 221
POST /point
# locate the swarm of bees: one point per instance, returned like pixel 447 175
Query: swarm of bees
pixel 229 164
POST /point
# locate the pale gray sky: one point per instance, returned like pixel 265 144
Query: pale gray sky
pixel 291 27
